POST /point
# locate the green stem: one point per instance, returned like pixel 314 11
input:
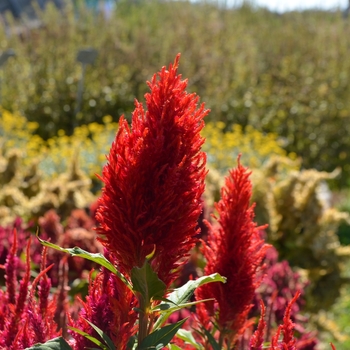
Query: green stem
pixel 150 323
pixel 221 339
pixel 143 321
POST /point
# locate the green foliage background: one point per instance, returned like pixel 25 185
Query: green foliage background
pixel 287 74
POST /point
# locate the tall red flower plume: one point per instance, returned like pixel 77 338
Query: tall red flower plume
pixel 235 250
pixel 154 179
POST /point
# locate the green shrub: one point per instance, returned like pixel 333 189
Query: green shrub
pixel 286 74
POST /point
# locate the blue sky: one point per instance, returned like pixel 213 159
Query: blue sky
pixel 287 5
pixel 283 5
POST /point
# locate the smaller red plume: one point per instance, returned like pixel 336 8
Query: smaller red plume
pixel 109 306
pixel 257 339
pixel 288 326
pixel 288 342
pixel 236 250
pixel 24 319
pixel 11 271
pixel 275 340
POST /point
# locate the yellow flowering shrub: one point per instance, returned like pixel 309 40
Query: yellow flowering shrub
pixel 17 132
pixel 223 147
pixel 89 143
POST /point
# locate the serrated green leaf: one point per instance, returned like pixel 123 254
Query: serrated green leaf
pixel 146 282
pixel 161 337
pixel 212 341
pixel 108 341
pixel 188 337
pixel 53 344
pixel 88 336
pixel 181 295
pixel 95 257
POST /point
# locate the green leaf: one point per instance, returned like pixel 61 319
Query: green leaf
pixel 181 295
pixel 166 304
pixel 108 341
pixel 147 283
pixel 53 344
pixel 188 337
pixel 172 308
pixel 173 347
pixel 161 337
pixel 95 257
pixel 88 336
pixel 164 307
pixel 151 254
pixel 212 341
pixel 131 342
pixel 184 293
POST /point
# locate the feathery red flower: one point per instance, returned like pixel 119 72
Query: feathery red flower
pixel 275 344
pixel 24 320
pixel 257 339
pixel 234 249
pixel 16 299
pixel 109 306
pixel 154 179
pixel 288 326
pixel 288 342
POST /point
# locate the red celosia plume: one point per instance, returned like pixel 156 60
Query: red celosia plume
pixel 235 250
pixel 288 342
pixel 288 326
pixel 154 179
pixel 24 319
pixel 257 339
pixel 110 307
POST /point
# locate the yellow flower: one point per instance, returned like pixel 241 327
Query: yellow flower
pixel 223 147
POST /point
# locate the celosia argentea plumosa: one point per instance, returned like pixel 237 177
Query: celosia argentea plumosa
pixel 154 179
pixel 234 249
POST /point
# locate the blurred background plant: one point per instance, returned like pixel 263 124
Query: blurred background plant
pixel 90 143
pixel 87 146
pixel 256 148
pixel 286 73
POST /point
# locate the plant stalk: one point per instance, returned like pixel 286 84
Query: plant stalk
pixel 143 321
